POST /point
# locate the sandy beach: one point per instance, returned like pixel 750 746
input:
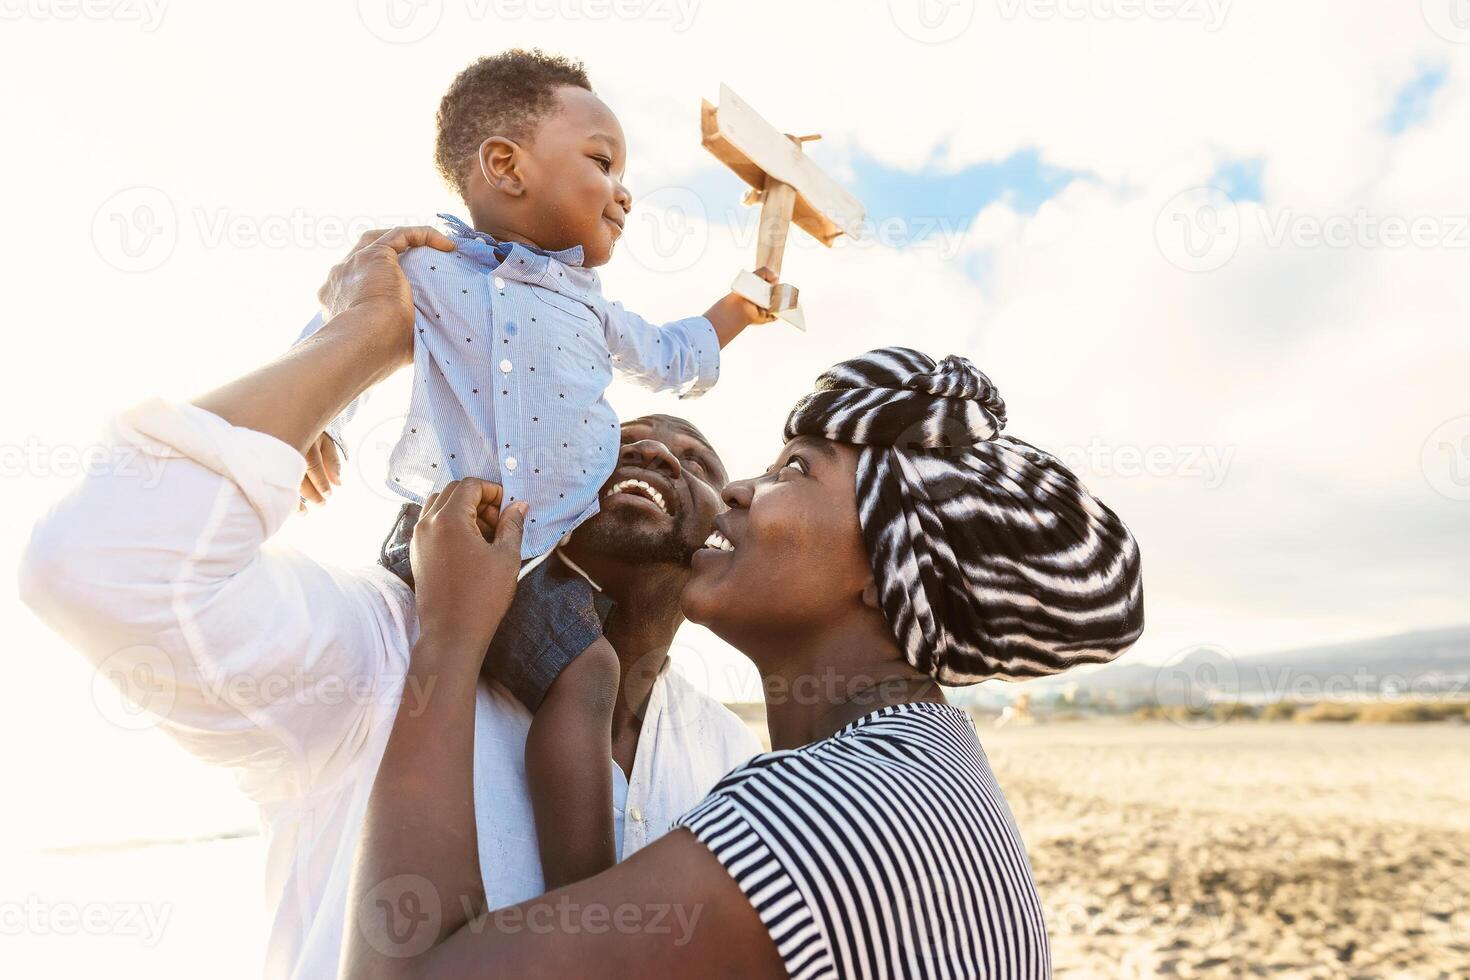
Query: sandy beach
pixel 1246 849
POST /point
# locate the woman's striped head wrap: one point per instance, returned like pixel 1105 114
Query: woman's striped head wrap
pixel 990 557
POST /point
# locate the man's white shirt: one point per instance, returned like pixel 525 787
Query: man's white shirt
pixel 290 672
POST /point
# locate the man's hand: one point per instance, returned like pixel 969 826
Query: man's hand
pixel 323 472
pixel 370 278
pixel 466 554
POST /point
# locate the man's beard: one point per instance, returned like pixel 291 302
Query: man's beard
pixel 630 540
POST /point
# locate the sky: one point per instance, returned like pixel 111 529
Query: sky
pixel 1213 253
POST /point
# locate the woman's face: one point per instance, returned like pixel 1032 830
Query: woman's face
pixel 788 557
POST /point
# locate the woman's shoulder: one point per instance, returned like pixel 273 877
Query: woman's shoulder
pixel 898 810
pixel 896 752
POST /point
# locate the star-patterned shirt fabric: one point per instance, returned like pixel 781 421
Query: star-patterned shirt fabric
pixel 514 352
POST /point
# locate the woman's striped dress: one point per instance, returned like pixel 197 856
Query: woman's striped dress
pixel 885 850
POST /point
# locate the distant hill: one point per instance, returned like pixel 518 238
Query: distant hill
pixel 1429 662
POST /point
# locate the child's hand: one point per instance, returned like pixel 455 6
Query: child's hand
pixel 755 313
pixel 732 313
pixel 323 472
pixel 748 311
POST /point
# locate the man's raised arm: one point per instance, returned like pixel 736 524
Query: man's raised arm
pixel 262 660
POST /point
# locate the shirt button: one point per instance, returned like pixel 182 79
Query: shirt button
pixel 636 813
pixel 510 463
pixel 499 283
pixel 505 366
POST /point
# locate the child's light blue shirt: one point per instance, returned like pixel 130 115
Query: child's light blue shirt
pixel 515 351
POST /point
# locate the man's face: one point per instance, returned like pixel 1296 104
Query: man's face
pixel 660 503
pixel 573 168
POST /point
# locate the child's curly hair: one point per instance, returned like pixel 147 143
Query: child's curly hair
pixel 506 94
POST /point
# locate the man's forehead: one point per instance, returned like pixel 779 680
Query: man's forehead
pixel 667 424
pixel 671 428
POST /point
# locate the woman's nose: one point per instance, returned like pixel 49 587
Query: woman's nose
pixel 737 494
pixel 651 455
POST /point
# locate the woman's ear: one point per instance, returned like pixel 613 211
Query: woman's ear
pixel 500 165
pixel 870 595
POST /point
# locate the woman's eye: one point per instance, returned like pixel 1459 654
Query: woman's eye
pixel 797 463
pixel 696 461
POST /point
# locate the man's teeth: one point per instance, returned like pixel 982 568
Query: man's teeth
pixel 718 540
pixel 627 486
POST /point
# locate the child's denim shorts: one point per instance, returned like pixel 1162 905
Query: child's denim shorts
pixel 556 614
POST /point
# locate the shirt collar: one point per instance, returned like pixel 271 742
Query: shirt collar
pixel 561 554
pixel 571 257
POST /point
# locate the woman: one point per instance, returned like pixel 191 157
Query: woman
pixel 898 540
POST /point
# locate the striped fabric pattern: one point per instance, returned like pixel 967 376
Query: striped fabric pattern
pixel 885 850
pixel 990 556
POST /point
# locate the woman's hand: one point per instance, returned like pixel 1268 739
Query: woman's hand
pixel 371 280
pixel 466 554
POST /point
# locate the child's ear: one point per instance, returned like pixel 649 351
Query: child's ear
pixel 870 596
pixel 499 165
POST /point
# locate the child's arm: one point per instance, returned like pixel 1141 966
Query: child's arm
pixel 731 314
pixel 682 356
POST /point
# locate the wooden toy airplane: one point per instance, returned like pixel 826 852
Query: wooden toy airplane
pixel 789 187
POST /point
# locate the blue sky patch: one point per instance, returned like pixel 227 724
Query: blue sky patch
pixel 930 201
pixel 952 198
pixel 1411 106
pixel 1241 179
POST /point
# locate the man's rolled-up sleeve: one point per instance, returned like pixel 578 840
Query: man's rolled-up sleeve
pixel 682 356
pixel 250 657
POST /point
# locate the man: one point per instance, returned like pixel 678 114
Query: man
pixel 291 672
